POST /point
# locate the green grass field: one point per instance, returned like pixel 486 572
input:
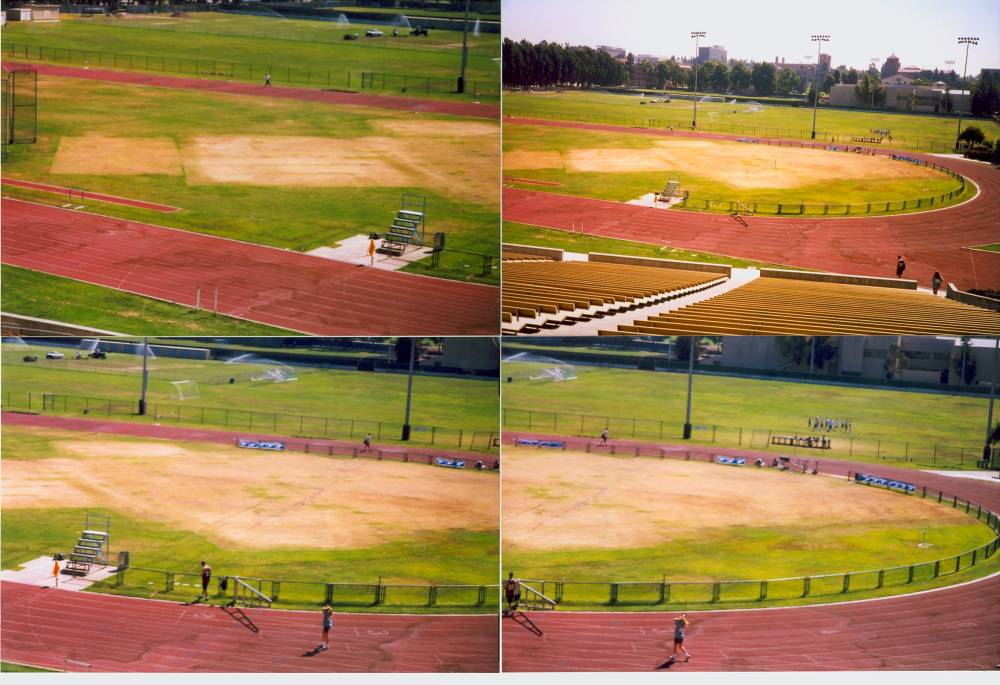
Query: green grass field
pixel 360 400
pixel 8 667
pixel 296 51
pixel 905 428
pixel 523 234
pixel 909 131
pixel 786 548
pixel 622 186
pixel 63 299
pixel 459 555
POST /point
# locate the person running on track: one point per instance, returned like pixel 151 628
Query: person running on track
pixel 680 624
pixel 206 576
pixel 327 625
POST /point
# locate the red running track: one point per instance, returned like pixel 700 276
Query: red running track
pixel 222 437
pixel 458 109
pixel 956 628
pixel 930 241
pixel 282 288
pixel 100 197
pixel 44 627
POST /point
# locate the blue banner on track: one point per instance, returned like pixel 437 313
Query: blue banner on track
pixel 539 443
pixel 450 463
pixel 261 444
pixel 885 482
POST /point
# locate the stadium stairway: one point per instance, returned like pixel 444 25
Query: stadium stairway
pixel 738 278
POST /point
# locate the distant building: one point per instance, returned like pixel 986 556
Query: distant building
pixel 36 13
pixel 898 79
pixel 653 59
pixel 711 53
pixel 825 62
pixel 922 359
pixel 904 96
pixel 890 66
pixel 617 53
pixel 805 70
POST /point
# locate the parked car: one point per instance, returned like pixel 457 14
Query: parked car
pixel 53 355
pixel 374 33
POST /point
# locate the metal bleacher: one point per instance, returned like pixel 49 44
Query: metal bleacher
pixel 408 226
pixel 92 547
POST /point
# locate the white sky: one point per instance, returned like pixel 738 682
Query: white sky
pixel 920 32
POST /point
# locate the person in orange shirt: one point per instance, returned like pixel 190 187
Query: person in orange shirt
pixel 55 570
pixel 371 251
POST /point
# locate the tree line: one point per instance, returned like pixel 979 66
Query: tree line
pixel 550 64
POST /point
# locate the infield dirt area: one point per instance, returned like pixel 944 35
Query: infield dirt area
pixel 461 158
pixel 576 500
pixel 743 165
pixel 252 499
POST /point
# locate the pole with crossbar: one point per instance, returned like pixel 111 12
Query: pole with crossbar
pixel 145 377
pixel 692 351
pixel 696 35
pixel 966 41
pixel 819 39
pixel 409 390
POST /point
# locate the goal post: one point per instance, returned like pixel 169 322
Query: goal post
pixel 186 390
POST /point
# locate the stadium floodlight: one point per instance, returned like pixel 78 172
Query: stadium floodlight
pixel 145 377
pixel 819 39
pixel 409 390
pixel 692 351
pixel 993 389
pixel 966 41
pixel 465 49
pixel 696 35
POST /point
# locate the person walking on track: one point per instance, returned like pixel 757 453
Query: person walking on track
pixel 900 266
pixel 604 436
pixel 512 593
pixel 267 79
pixel 680 625
pixel 206 576
pixel 327 625
pixel 368 443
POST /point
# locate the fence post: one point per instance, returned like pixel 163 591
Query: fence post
pixel 937 568
pixel 763 591
pixel 664 593
pixel 275 590
pixel 169 578
pixel 847 583
pixel 328 597
pixel 716 591
pixel 613 593
pixel 806 586
pixel 432 595
pixel 881 578
pixel 909 574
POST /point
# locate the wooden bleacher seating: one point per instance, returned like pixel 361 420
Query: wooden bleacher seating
pixel 779 306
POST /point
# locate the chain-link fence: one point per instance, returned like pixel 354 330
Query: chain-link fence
pixel 838 443
pixel 276 423
pixel 295 75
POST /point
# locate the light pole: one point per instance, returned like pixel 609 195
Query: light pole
pixel 819 39
pixel 692 351
pixel 696 35
pixel 409 390
pixel 871 78
pixel 145 377
pixel 966 41
pixel 993 388
pixel 465 49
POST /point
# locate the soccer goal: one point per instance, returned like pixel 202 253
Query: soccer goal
pixel 276 374
pixel 708 99
pixel 753 107
pixel 186 390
